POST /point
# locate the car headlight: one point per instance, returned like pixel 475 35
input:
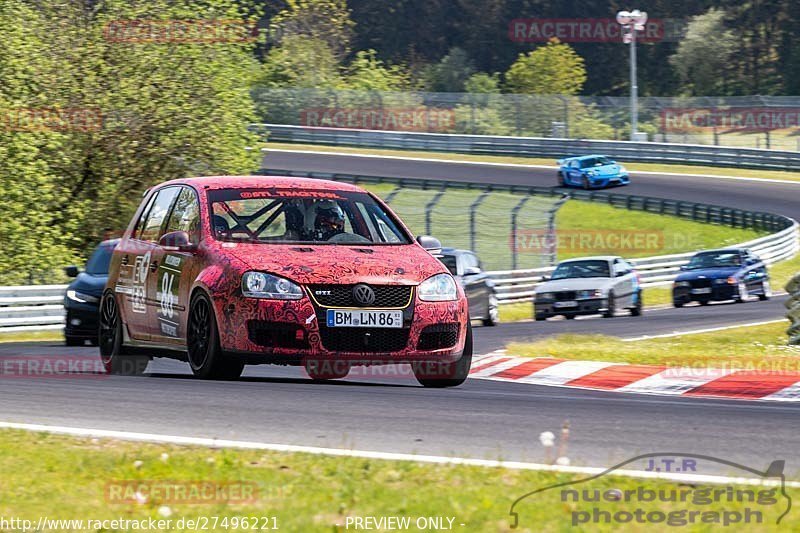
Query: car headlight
pixel 544 295
pixel 591 173
pixel 720 281
pixel 261 285
pixel 622 170
pixel 439 288
pixel 82 297
pixel 733 281
pixel 682 284
pixel 588 294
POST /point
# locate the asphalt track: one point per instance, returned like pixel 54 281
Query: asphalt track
pixel 481 419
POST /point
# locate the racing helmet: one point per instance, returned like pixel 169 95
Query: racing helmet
pixel 329 219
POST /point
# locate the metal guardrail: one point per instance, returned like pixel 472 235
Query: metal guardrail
pixel 645 152
pixel 33 307
pixel 793 306
pixel 519 285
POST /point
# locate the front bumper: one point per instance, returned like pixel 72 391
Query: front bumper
pixel 716 292
pixel 550 308
pixel 81 320
pixel 609 181
pixel 292 332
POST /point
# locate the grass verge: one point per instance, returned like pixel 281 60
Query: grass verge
pixel 32 336
pixel 761 347
pixel 68 478
pixel 645 167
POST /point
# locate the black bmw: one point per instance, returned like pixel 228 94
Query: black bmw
pixel 717 275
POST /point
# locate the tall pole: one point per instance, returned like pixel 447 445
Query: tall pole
pixel 634 88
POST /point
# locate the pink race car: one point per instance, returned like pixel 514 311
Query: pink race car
pixel 228 271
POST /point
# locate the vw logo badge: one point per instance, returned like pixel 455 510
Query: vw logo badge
pixel 363 294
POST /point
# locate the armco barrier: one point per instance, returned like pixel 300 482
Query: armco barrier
pixel 793 305
pixel 519 285
pixel 646 152
pixel 34 307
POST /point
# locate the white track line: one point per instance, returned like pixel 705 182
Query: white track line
pixel 434 459
pixel 706 330
pixel 518 165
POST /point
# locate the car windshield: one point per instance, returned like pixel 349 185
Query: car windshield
pixel 292 216
pixel 714 260
pixel 99 261
pixel 450 262
pixel 595 162
pixel 581 269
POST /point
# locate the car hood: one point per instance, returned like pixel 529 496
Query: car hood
pixel 573 284
pixel 342 264
pixel 88 284
pixel 605 170
pixel 711 273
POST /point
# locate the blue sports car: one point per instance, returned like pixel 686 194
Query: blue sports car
pixel 732 274
pixel 591 172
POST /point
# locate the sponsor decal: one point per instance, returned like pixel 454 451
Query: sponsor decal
pixel 288 193
pixel 139 283
pixel 168 294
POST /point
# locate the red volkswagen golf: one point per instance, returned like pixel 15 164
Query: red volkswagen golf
pixel 228 271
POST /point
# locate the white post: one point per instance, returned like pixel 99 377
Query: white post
pixel 634 87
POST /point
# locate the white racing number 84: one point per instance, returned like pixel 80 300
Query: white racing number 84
pixel 167 299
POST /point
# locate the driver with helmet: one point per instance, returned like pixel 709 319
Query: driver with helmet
pixel 328 221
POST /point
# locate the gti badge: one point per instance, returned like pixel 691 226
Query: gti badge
pixel 363 294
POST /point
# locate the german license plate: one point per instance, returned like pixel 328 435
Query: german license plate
pixel 364 318
pixel 570 303
pixel 705 290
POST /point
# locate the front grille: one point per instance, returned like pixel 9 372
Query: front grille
pixel 276 334
pixel 700 283
pixel 438 337
pixel 397 296
pixel 565 295
pixel 364 340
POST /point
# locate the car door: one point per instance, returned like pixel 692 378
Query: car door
pixel 174 271
pixel 755 273
pixel 141 268
pixel 623 283
pixel 574 173
pixel 134 261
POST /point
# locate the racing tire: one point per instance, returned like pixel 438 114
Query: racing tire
pixel 585 184
pixel 74 341
pixel 326 370
pixel 766 291
pixel 540 318
pixel 677 304
pixel 561 181
pixel 609 313
pixel 570 317
pixel 637 309
pixel 429 374
pixel 204 354
pixel 704 302
pixel 492 311
pixel 109 339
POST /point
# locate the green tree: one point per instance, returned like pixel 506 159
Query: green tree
pixel 368 73
pixel 324 20
pixel 300 62
pixel 703 71
pixel 450 74
pixel 554 68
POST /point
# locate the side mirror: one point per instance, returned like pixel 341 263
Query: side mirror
pixel 72 271
pixel 431 244
pixel 545 278
pixel 472 271
pixel 177 241
pixel 683 267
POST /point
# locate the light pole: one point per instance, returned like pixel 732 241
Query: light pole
pixel 632 22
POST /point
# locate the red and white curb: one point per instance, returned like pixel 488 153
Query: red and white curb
pixel 641 379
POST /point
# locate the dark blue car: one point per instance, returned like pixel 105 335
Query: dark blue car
pixel 82 300
pixel 591 172
pixel 716 275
